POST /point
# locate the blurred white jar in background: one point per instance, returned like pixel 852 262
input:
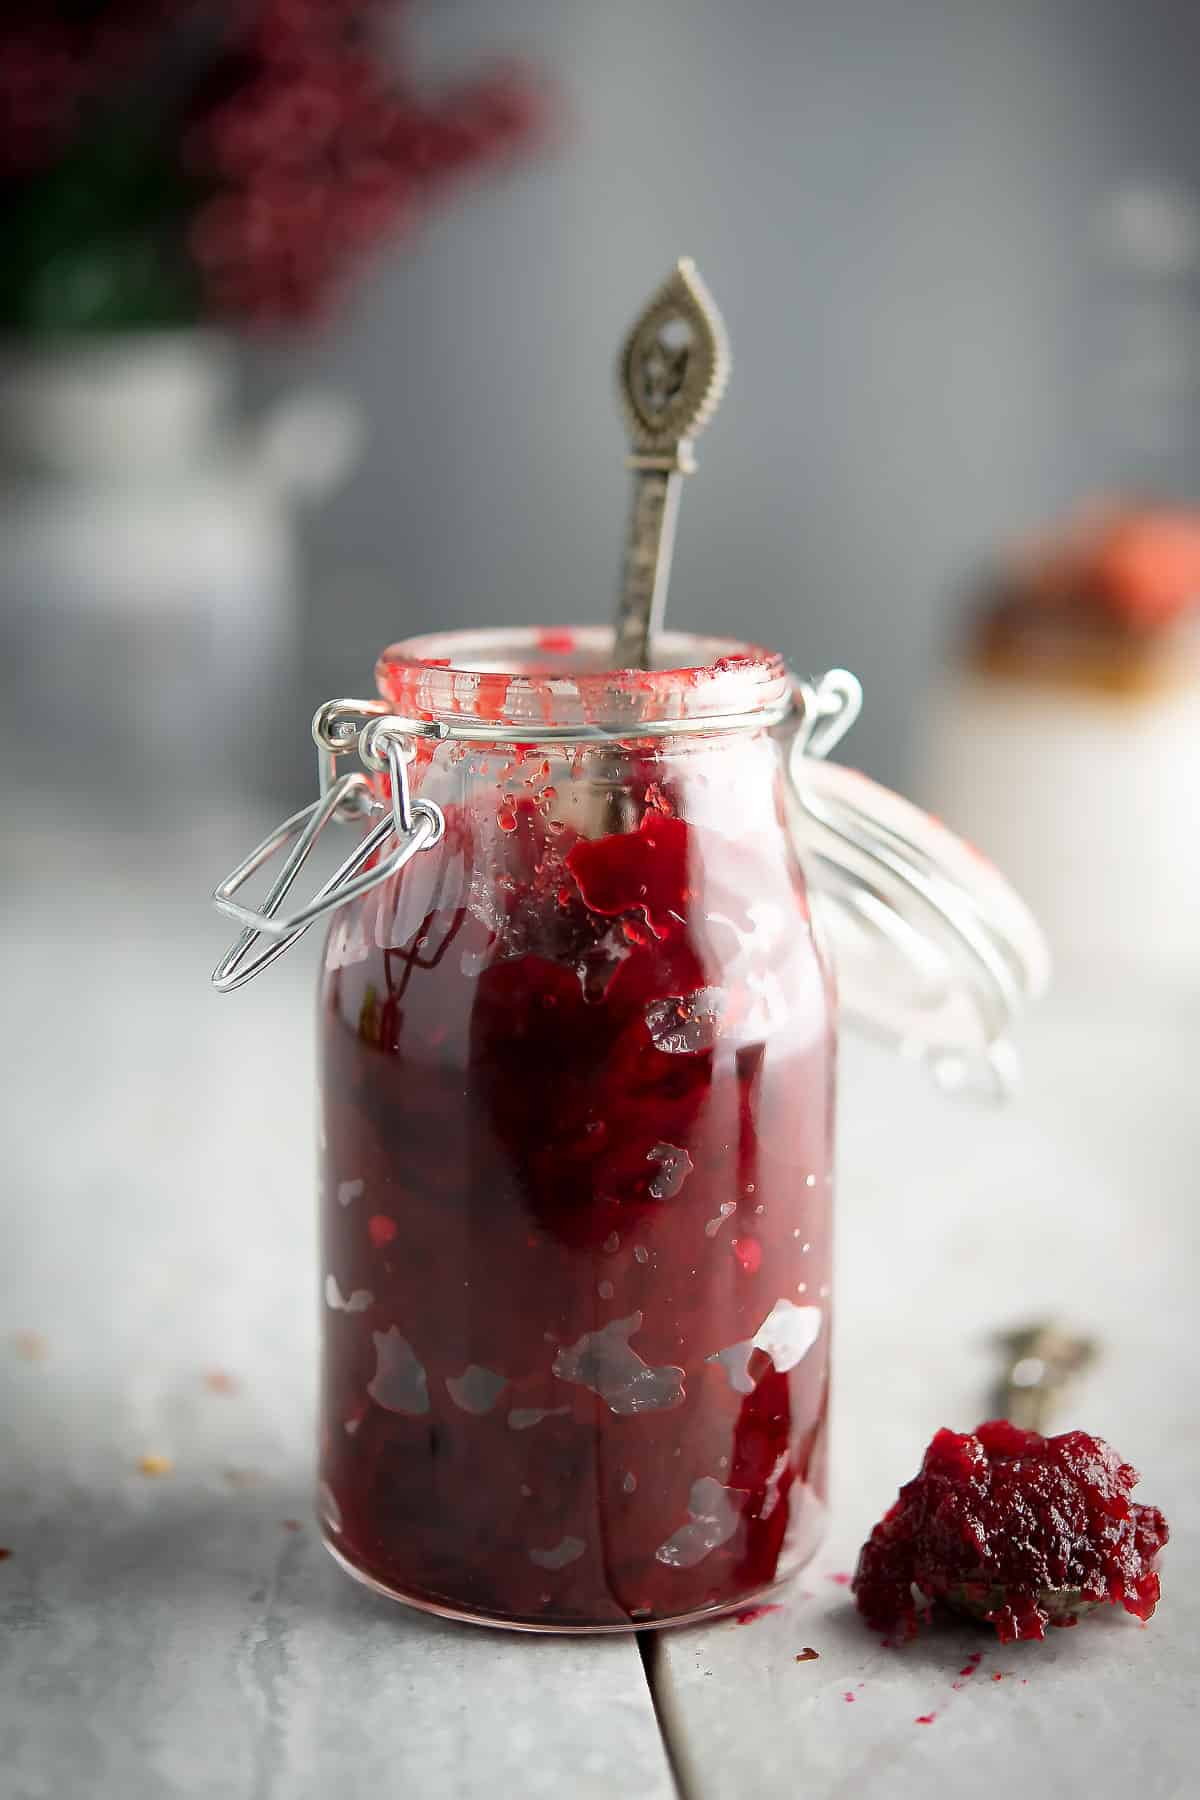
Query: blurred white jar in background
pixel 148 577
pixel 1069 737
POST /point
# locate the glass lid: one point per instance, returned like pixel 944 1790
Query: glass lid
pixel 935 953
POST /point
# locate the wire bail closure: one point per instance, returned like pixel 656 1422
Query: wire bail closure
pixel 820 713
pixel 383 744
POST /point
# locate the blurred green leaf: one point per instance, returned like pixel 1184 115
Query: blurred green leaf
pixel 96 243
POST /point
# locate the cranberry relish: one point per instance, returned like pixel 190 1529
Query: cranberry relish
pixel 1020 1530
pixel 582 1057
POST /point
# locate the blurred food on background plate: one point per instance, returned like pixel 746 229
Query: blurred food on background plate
pixel 1068 732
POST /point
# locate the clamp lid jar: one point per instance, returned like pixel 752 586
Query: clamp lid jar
pixel 578 1055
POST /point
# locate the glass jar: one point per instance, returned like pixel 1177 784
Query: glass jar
pixel 578 1065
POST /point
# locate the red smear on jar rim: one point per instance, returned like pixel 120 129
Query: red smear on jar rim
pixel 750 1613
pixel 381 1230
pixel 556 643
pixel 1021 1530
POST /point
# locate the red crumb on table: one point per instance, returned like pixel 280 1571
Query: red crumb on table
pixel 924 1718
pixel 840 1578
pixel 850 1697
pixel 972 1663
pixel 1019 1530
pixel 155 1465
pixel 30 1345
pixel 4 1555
pixel 381 1230
pixel 750 1613
pixel 808 1654
pixel 218 1381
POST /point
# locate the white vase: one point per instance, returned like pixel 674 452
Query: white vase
pixel 148 568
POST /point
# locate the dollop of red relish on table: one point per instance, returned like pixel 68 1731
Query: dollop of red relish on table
pixel 1020 1530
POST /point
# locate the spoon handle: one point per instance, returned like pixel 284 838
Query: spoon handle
pixel 648 550
pixel 673 368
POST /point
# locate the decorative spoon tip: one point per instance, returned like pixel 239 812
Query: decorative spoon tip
pixel 672 371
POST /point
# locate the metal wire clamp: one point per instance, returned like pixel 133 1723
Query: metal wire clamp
pixel 819 712
pixel 415 824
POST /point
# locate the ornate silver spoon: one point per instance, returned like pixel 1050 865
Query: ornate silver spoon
pixel 673 370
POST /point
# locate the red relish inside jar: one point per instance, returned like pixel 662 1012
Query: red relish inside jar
pixel 578 1078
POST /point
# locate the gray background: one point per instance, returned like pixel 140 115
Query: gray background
pixel 896 203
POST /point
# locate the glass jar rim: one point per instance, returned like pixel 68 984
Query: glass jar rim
pixel 560 677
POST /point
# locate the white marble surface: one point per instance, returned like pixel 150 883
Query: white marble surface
pixel 172 1635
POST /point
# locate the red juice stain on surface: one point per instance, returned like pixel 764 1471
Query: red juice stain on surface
pixel 972 1663
pixel 1002 1523
pixel 924 1718
pixel 381 1230
pixel 840 1578
pixel 218 1381
pixel 850 1698
pixel 291 1525
pixel 808 1654
pixel 4 1555
pixel 748 1616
